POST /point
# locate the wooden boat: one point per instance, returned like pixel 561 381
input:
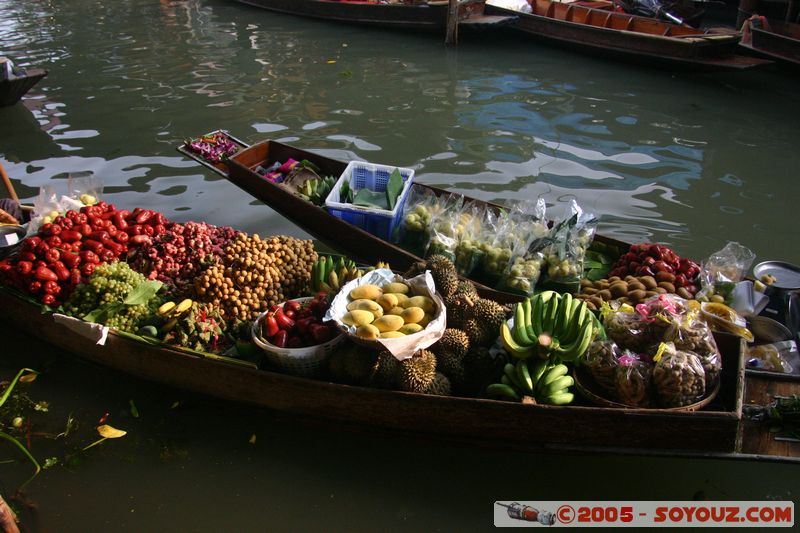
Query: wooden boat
pixel 601 30
pixel 422 15
pixel 12 90
pixel 340 235
pixel 772 38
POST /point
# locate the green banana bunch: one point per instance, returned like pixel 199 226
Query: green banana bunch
pixel 550 325
pixel 316 190
pixel 329 274
pixel 540 379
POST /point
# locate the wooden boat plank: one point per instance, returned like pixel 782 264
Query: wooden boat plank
pixel 501 424
pixel 757 438
pixel 11 91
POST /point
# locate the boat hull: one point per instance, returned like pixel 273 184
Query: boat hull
pixel 11 91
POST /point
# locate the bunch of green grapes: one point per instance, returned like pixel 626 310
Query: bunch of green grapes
pixel 111 283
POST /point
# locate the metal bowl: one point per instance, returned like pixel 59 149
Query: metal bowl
pixel 766 330
pixel 10 239
pixel 787 275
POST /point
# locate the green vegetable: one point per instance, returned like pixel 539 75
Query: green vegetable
pixel 393 188
pixel 368 198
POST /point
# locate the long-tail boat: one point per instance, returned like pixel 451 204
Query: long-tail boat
pixel 774 39
pixel 594 27
pixel 13 89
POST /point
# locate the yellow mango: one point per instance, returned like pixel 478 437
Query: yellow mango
pixel 387 301
pixel 357 317
pixel 367 331
pixel 410 329
pixel 397 287
pixel 366 305
pixel 425 320
pixel 368 292
pixel 400 298
pixel 388 323
pixel 395 311
pixel 391 334
pixel 412 315
pixel 423 302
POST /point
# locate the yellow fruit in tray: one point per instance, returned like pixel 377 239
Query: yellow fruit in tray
pixel 368 292
pixel 410 329
pixel 357 317
pixel 423 302
pixel 395 311
pixel 412 315
pixel 400 298
pixel 366 305
pixel 391 334
pixel 388 323
pixel 387 301
pixel 368 331
pixel 425 320
pixel 398 287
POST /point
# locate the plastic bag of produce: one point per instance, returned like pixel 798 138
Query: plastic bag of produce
pixel 602 360
pixel 469 248
pixel 47 206
pixel 86 189
pixel 571 236
pixel 525 267
pixel 678 377
pixel 413 231
pixel 500 237
pixel 689 333
pixel 633 380
pixel 628 328
pixel 722 270
pixel 443 227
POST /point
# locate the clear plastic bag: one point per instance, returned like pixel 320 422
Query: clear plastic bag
pixel 601 360
pixel 469 248
pixel 571 236
pixel 85 189
pixel 633 379
pixel 678 377
pixel 689 333
pixel 413 231
pixel 722 270
pixel 629 330
pixel 443 235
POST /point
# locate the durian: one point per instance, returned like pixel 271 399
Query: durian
pixel 481 367
pixel 453 341
pixel 440 385
pixel 451 364
pixel 384 370
pixel 358 364
pixel 478 334
pixel 417 373
pixel 489 313
pixel 444 275
pixel 465 288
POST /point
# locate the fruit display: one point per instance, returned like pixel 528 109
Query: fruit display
pixel 630 289
pixel 51 264
pixel 549 325
pixel 116 296
pixel 329 274
pixel 298 324
pixel 661 263
pixel 316 189
pixel 388 311
pixel 178 254
pixel 214 147
pixel 254 273
pixel 195 325
pixel 541 379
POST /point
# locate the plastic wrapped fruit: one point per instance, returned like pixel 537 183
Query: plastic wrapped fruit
pixel 679 378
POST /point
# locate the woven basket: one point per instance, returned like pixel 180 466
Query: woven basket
pixel 308 361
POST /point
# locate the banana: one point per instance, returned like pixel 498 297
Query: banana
pixel 183 306
pixel 520 352
pixel 524 376
pixel 551 312
pixel 538 371
pixel 562 317
pixel 520 333
pixel 575 322
pixel 575 349
pixel 505 380
pixel 560 398
pixel 551 374
pixel 333 280
pixel 166 308
pixel 539 307
pixel 510 373
pixel 557 385
pixel 545 296
pixel 500 390
pixel 527 306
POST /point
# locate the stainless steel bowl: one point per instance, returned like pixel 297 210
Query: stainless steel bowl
pixel 766 330
pixel 10 239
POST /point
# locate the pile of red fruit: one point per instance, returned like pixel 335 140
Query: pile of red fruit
pixel 660 262
pixel 298 325
pixel 51 264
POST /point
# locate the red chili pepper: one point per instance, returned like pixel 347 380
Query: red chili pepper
pixel 121 237
pixel 143 216
pixel 52 255
pixel 148 230
pixel 24 267
pixel 42 248
pixel 61 270
pixel 124 213
pixel 270 326
pixel 88 256
pixel 113 246
pixel 280 338
pixel 34 287
pixel 119 221
pixel 72 215
pixel 159 229
pixel 48 299
pixel 107 256
pixel 70 259
pixel 46 228
pixel 55 229
pixel 85 229
pixel 66 223
pixel 80 218
pixel 160 220
pixel 103 206
pixel 284 322
pixel 75 277
pixel 140 239
pixel 87 269
pixel 43 273
pixel 70 236
pixel 135 230
pixel 93 245
pixel 51 287
pixel 99 235
pixel 30 244
pixel 108 215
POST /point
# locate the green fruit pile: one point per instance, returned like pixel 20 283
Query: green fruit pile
pixel 542 380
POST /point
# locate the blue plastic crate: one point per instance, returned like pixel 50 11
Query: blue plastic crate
pixel 360 175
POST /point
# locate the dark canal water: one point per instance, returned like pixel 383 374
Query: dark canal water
pixel 691 160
